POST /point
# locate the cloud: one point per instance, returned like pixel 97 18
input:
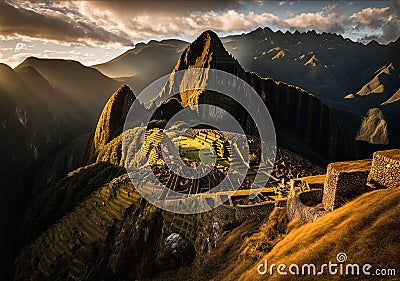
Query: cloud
pixel 165 8
pixel 53 25
pixel 229 21
pixel 372 17
pixel 319 21
pixel 386 20
pixel 20 47
pixel 117 23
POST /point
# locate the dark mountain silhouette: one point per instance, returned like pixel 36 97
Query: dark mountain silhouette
pixel 45 104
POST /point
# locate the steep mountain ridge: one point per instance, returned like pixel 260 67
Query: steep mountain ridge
pixel 45 104
pixel 113 116
pixel 380 93
pixel 78 85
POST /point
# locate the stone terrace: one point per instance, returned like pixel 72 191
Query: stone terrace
pixel 343 182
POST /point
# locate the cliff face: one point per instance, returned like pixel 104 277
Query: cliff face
pixel 302 122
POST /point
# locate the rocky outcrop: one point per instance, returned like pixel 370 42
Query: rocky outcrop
pixel 374 128
pixel 112 118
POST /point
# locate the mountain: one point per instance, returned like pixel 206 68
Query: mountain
pixel 75 84
pixel 326 65
pixel 45 105
pixel 92 225
pixel 289 106
pixel 144 63
pixel 374 128
pixel 112 118
pixel 323 64
pixel 381 94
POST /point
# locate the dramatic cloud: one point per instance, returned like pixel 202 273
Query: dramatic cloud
pixel 370 17
pixel 318 21
pixel 161 7
pixel 385 20
pixel 228 21
pixel 53 25
pixel 114 25
pixel 21 47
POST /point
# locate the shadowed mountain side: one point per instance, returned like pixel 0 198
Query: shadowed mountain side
pixel 325 64
pixel 143 64
pixel 45 104
pixel 85 89
pixel 54 202
pixel 29 135
pixel 302 122
pixel 381 94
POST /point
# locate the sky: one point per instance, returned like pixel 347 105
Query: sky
pixel 93 32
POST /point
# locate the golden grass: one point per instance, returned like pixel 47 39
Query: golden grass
pixel 392 153
pixel 366 229
pixel 349 166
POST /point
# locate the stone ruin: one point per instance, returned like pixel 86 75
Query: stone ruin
pixel 313 197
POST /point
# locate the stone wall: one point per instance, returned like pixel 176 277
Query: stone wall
pixel 260 210
pixel 344 181
pixel 240 213
pixel 297 209
pixel 225 212
pixel 385 171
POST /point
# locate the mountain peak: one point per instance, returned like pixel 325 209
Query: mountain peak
pixel 207 51
pixel 112 118
pixel 209 34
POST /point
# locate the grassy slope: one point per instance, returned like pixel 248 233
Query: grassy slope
pixel 365 229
